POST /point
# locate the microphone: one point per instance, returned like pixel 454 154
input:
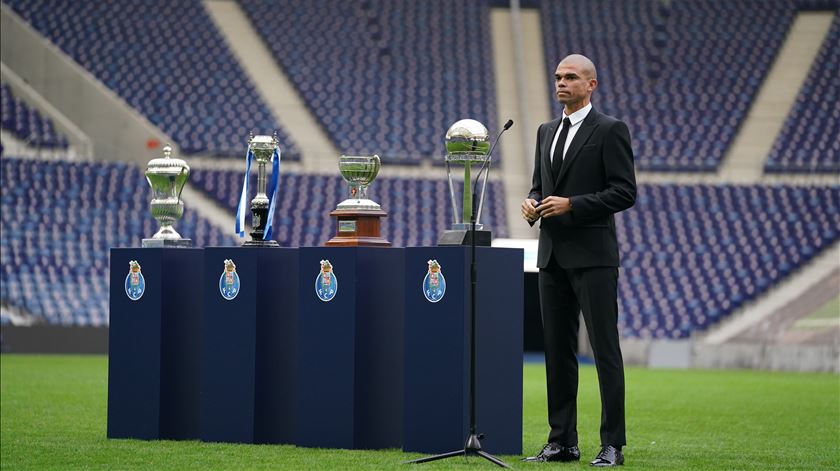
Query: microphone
pixel 484 165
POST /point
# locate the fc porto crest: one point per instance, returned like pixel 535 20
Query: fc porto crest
pixel 229 282
pixel 135 284
pixel 434 284
pixel 326 284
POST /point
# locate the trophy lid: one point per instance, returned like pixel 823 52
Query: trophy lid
pixel 167 165
pixel 467 136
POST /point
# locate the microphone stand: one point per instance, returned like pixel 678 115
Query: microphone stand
pixel 472 447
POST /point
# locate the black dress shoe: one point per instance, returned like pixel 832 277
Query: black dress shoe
pixel 555 452
pixel 609 456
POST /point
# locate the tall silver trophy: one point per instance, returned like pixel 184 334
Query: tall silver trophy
pixel 167 177
pixel 467 145
pixel 264 151
pixel 358 217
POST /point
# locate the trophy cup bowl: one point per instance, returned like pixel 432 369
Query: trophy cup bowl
pixel 167 177
pixel 359 171
pixel 467 140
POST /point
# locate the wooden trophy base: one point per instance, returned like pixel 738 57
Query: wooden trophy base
pixel 358 228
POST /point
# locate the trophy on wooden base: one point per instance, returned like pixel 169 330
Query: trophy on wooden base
pixel 358 217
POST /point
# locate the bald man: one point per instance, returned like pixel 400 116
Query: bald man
pixel 583 174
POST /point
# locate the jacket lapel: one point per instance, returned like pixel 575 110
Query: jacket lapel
pixel 586 128
pixel 548 138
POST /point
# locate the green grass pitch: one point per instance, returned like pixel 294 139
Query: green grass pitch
pixel 53 413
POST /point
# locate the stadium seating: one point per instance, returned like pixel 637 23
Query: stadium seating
pixel 381 76
pixel 691 255
pixel 682 73
pixel 418 209
pixel 28 124
pixel 810 138
pixel 168 61
pixel 59 221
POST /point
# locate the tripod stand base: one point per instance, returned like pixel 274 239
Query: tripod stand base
pixel 472 448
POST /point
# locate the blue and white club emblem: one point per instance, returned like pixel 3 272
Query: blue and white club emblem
pixel 229 282
pixel 326 284
pixel 135 284
pixel 434 284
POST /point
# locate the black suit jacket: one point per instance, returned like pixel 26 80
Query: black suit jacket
pixel 599 176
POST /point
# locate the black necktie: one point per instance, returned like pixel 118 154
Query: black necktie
pixel 557 159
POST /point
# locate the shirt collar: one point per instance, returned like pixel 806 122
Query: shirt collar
pixel 579 115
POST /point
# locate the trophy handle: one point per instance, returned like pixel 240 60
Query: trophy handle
pixel 182 186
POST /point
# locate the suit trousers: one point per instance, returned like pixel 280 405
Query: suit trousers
pixel 564 293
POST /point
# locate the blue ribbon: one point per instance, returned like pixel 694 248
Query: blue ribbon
pixel 243 199
pixel 272 192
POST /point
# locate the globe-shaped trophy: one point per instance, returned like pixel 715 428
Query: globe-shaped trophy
pixel 167 177
pixel 358 217
pixel 467 145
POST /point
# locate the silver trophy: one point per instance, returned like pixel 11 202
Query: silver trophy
pixel 167 177
pixel 263 148
pixel 467 144
pixel 358 171
pixel 358 218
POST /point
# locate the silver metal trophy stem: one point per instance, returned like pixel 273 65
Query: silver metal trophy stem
pixel 261 197
pixel 452 194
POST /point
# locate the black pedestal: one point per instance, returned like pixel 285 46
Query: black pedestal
pixel 247 392
pixel 154 345
pixel 350 349
pixel 437 349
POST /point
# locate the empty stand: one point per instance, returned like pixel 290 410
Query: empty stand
pixel 682 73
pixel 168 61
pixel 381 76
pixel 28 124
pixel 810 138
pixel 691 255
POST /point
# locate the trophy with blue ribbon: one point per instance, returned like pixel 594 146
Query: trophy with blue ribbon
pixel 263 149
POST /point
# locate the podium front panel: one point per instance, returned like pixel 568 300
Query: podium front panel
pixel 326 350
pixel 437 351
pixel 154 344
pixel 350 349
pixel 247 379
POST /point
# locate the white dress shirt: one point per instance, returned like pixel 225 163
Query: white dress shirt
pixel 575 119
